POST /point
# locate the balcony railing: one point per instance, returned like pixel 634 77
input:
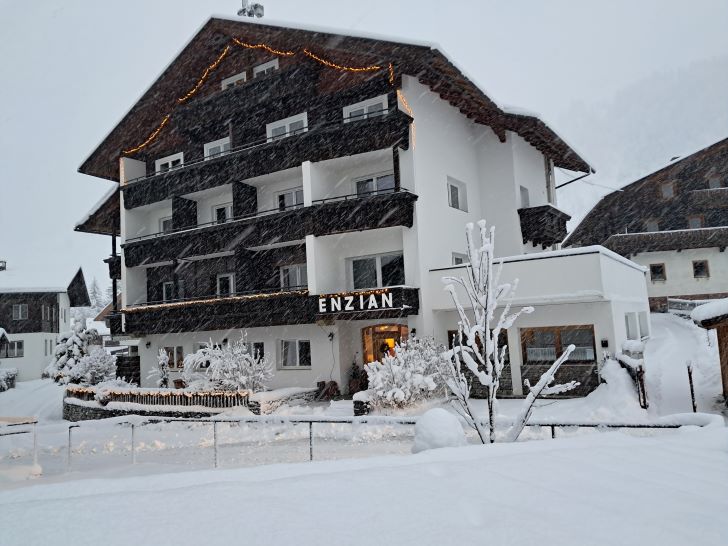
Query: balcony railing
pixel 318 143
pixel 325 217
pixel 262 308
pixel 629 244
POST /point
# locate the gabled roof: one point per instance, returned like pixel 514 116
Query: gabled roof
pixel 104 217
pixel 32 279
pixel 205 51
pixel 625 210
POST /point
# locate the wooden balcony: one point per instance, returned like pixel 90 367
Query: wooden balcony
pixel 544 225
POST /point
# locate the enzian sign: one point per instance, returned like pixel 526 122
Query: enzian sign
pixel 339 303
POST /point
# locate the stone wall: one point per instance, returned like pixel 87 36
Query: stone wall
pixel 76 412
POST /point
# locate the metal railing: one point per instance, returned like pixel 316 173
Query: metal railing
pixel 363 420
pixel 6 429
pixel 288 291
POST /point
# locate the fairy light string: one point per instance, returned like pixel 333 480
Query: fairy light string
pixel 284 53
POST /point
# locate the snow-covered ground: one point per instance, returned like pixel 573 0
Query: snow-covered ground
pixel 598 489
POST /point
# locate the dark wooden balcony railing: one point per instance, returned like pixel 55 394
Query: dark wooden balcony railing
pixel 544 225
pixel 318 143
pixel 253 309
pixel 348 213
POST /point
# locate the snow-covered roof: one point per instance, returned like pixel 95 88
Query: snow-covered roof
pixel 710 312
pixel 36 277
pixel 99 326
pixel 102 201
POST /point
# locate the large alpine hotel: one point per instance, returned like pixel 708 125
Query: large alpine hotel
pixel 312 189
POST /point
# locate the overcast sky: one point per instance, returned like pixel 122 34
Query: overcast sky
pixel 71 69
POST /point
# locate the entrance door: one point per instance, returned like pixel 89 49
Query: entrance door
pixel 378 341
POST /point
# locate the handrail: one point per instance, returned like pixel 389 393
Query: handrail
pixel 263 213
pixel 267 140
pixel 282 291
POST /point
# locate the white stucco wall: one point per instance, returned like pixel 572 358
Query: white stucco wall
pixel 37 354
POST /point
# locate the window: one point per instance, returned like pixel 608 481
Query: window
pixel 265 68
pixel 544 345
pixel 657 272
pixel 232 81
pixel 256 348
pixel 630 324
pixel 714 183
pixel 377 271
pixel 165 224
pixel 382 183
pixel 644 324
pixel 295 353
pixel 695 222
pixel 287 127
pixel 176 356
pixel 168 163
pixel 525 199
pixel 700 269
pixel 293 276
pixel 20 311
pixel 459 258
pixel 457 195
pixel 167 291
pixel 217 148
pixel 667 190
pixel 652 225
pixel 290 199
pixel 222 213
pixel 226 284
pixel 14 349
pixel 377 106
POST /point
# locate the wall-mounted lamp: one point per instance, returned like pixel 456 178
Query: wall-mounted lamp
pixel 148 344
pixel 331 336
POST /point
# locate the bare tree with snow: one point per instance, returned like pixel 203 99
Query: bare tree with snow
pixel 477 345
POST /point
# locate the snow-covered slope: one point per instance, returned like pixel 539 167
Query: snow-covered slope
pixel 41 398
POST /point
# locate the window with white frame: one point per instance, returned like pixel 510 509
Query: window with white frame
pixel 170 162
pixel 378 106
pixel 222 213
pixel 377 271
pixel 644 324
pixel 167 291
pixel 295 353
pixel 290 199
pixel 287 127
pixel 217 148
pixel 255 348
pixel 458 258
pixel 294 276
pixel 14 349
pixel 372 185
pixel 265 68
pixel 176 356
pixel 226 284
pixel 165 224
pixel 631 325
pixel 232 81
pixel 457 194
pixel 20 311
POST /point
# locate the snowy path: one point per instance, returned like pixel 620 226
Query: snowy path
pixel 602 489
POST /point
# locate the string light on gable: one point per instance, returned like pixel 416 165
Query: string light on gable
pixel 264 46
pixel 150 138
pixel 340 67
pixel 205 74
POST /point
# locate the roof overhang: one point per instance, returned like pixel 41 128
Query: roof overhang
pixel 104 219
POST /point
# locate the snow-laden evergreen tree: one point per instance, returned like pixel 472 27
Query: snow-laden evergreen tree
pixel 71 348
pixel 477 344
pixel 161 370
pixel 96 367
pixel 231 366
pixel 95 295
pixel 411 375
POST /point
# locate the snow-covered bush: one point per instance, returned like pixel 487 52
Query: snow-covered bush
pixel 161 370
pixel 438 428
pixel 71 348
pixel 96 367
pixel 413 374
pixel 230 366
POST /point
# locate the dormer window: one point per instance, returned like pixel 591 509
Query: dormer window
pixel 169 163
pixel 667 190
pixel 232 81
pixel 265 68
pixel 287 127
pixel 369 108
pixel 217 148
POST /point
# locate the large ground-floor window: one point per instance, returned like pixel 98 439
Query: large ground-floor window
pixel 544 345
pixel 378 341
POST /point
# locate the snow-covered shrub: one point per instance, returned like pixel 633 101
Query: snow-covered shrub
pixel 104 389
pixel 7 378
pixel 96 367
pixel 230 366
pixel 71 348
pixel 161 370
pixel 413 374
pixel 438 428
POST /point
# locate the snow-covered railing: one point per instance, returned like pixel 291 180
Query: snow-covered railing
pixel 7 428
pixel 683 308
pixel 668 422
pixel 160 397
pixel 632 360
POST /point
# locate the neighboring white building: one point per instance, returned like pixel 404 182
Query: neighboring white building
pixel 321 225
pixel 34 315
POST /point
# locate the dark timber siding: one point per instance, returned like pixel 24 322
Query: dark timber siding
pixel 35 322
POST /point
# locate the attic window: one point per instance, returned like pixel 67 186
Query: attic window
pixel 265 68
pixel 287 127
pixel 232 81
pixel 378 106
pixel 217 147
pixel 667 190
pixel 168 163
